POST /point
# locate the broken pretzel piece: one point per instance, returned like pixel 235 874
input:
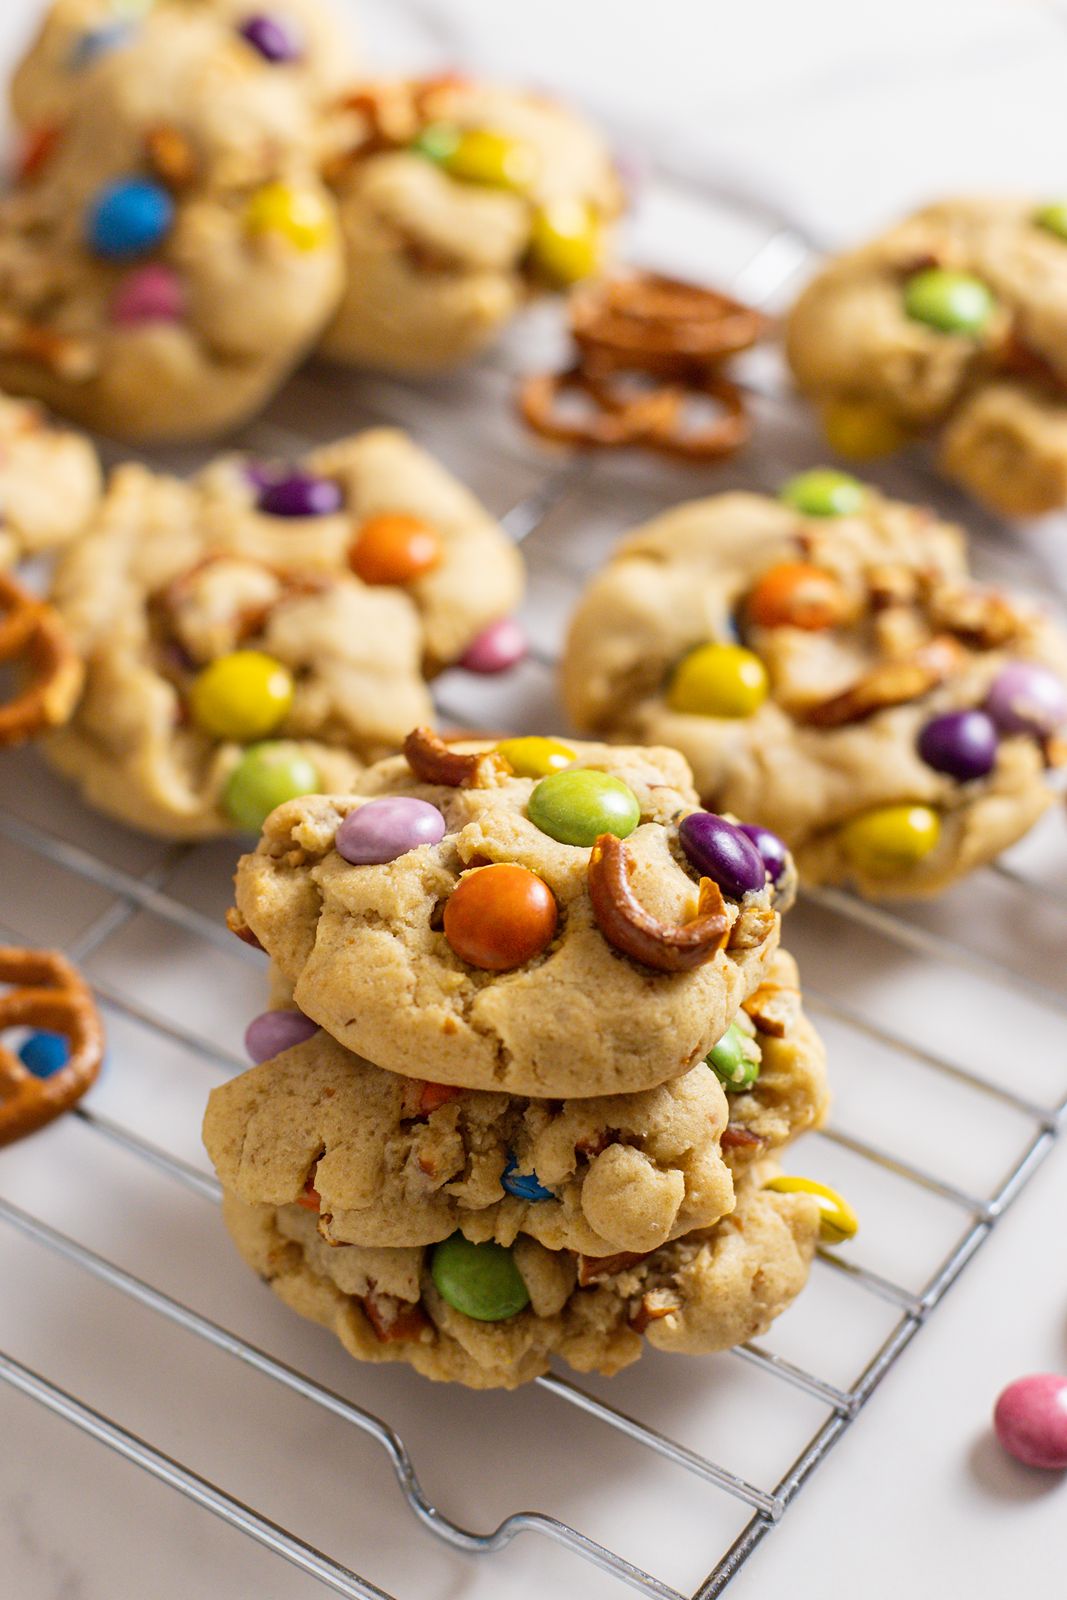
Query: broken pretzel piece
pixel 890 683
pixel 431 760
pixel 774 1008
pixel 32 634
pixel 635 932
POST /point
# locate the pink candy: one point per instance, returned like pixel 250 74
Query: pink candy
pixel 502 645
pixel 151 294
pixel 1030 1419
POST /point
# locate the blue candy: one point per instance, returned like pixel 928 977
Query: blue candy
pixel 524 1185
pixel 44 1053
pixel 96 42
pixel 128 218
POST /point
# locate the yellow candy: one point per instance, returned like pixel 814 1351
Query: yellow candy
pixel 861 431
pixel 534 757
pixel 718 680
pixel 300 215
pixel 890 839
pixel 481 156
pixel 837 1220
pixel 242 696
pixel 565 241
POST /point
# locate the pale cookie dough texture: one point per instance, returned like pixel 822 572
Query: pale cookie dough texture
pixel 50 482
pixel 365 952
pixel 683 580
pixel 394 1162
pixel 437 263
pixel 716 1288
pixel 172 575
pixel 181 312
pixel 997 398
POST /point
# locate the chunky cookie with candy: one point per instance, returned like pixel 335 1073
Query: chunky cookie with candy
pixel 458 200
pixel 168 252
pixel 831 671
pixel 261 631
pixel 391 1161
pixel 955 323
pixel 490 1316
pixel 50 482
pixel 546 920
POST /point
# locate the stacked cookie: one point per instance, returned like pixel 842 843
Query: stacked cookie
pixel 533 1048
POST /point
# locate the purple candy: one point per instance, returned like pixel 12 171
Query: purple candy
pixel 273 38
pixel 718 849
pixel 1027 698
pixel 773 851
pixel 502 645
pixel 962 744
pixel 384 829
pixel 274 1031
pixel 1031 1421
pixel 298 494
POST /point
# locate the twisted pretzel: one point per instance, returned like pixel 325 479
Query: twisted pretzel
pixel 659 325
pixel 31 630
pixel 47 992
pixel 654 419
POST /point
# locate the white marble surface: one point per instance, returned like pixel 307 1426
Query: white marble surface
pixel 835 114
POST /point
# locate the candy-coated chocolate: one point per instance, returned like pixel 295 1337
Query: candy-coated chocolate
pixel 837 1220
pixel 272 37
pixel 266 776
pixel 565 242
pixel 44 1053
pixel 1030 1419
pixel 274 1031
pixel 535 757
pixel 861 431
pixel 576 807
pixel 735 1060
pixel 436 141
pixel 718 680
pixel 497 648
pixel 718 849
pixel 824 492
pixel 962 744
pixel 394 547
pixel 1053 218
pixel 387 828
pixel 950 301
pixel 1027 698
pixel 796 594
pixel 499 917
pixel 773 850
pixel 300 216
pixel 523 1185
pixel 128 218
pixel 479 1280
pixel 478 155
pixel 299 494
pixel 96 42
pixel 242 696
pixel 154 293
pixel 890 839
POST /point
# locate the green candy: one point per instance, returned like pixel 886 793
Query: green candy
pixel 437 142
pixel 1053 218
pixel 575 807
pixel 951 302
pixel 735 1060
pixel 822 492
pixel 265 776
pixel 481 1280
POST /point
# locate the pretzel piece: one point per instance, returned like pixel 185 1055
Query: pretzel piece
pixel 431 760
pixel 627 926
pixel 890 683
pixel 31 632
pixel 659 325
pixel 46 992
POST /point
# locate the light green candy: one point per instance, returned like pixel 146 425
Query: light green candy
pixel 735 1060
pixel 480 1280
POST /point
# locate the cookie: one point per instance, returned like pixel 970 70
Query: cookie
pixel 302 37
pixel 49 482
pixel 458 200
pixel 953 323
pixel 168 253
pixel 715 1288
pixel 831 671
pixel 434 923
pixel 395 1162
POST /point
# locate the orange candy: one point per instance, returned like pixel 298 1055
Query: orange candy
pixel 432 1095
pixel 394 548
pixel 500 917
pixel 310 1199
pixel 797 595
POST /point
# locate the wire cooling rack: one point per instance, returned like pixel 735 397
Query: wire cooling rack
pixel 915 1004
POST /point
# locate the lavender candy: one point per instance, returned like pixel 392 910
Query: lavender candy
pixel 384 829
pixel 274 1031
pixel 1027 698
pixel 719 850
pixel 274 39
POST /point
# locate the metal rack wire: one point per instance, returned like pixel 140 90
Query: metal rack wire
pixel 911 1305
